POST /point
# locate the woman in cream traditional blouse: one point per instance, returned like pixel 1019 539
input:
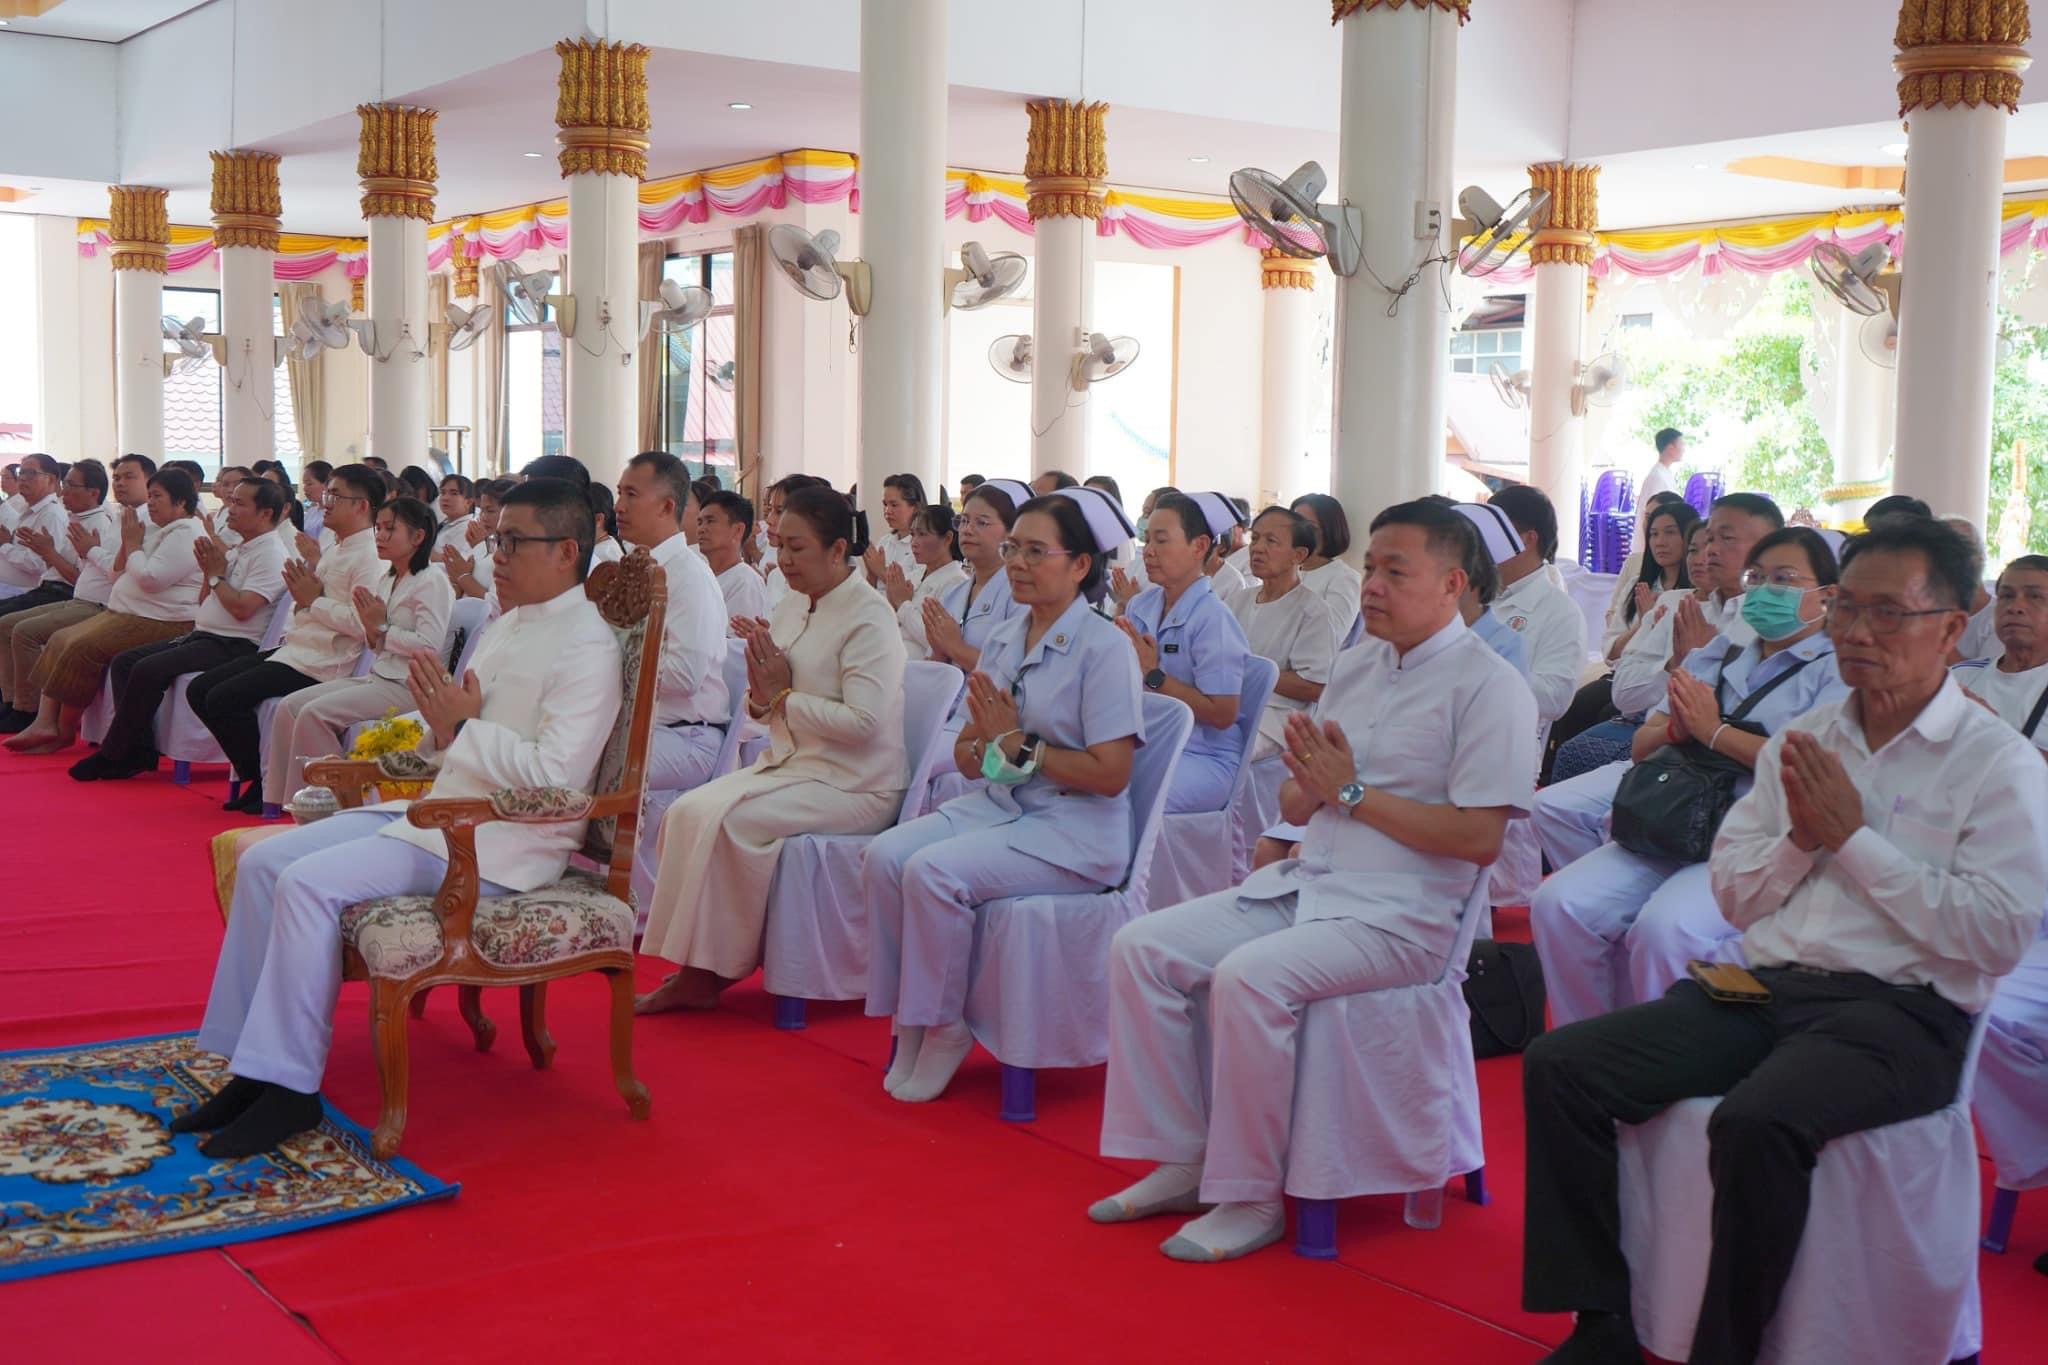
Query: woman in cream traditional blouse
pixel 826 677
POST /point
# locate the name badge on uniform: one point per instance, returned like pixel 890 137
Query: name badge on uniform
pixel 1170 649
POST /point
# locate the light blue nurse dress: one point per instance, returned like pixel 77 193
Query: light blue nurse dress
pixel 1202 645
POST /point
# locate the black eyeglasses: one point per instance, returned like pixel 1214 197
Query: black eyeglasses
pixel 508 542
pixel 1884 618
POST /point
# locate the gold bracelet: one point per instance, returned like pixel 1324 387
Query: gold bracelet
pixel 773 702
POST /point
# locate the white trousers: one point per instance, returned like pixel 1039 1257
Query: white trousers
pixel 1680 922
pixel 1578 918
pixel 922 882
pixel 309 724
pixel 1205 1003
pixel 679 759
pixel 2012 1075
pixel 271 1011
pixel 1570 817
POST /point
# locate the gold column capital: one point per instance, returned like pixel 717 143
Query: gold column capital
pixel 247 207
pixel 1340 10
pixel 356 303
pixel 1066 158
pixel 464 274
pixel 1969 52
pixel 395 161
pixel 601 108
pixel 1574 213
pixel 139 227
pixel 1278 270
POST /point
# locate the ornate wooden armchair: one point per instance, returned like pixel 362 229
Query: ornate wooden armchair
pixel 405 945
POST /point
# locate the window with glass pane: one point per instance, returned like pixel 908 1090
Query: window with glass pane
pixel 284 423
pixel 535 411
pixel 192 389
pixel 698 369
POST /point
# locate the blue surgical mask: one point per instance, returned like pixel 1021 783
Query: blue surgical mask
pixel 1772 611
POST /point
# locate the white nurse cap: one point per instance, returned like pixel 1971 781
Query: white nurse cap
pixel 1106 519
pixel 1496 532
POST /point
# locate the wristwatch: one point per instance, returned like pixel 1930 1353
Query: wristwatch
pixel 1349 795
pixel 1155 680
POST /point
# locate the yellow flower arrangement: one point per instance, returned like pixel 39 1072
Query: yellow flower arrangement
pixel 393 734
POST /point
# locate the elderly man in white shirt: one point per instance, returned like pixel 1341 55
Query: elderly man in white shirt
pixel 84 560
pixel 535 710
pixel 1570 818
pixel 239 590
pixel 1888 867
pixel 28 572
pixel 691 705
pixel 1406 773
pixel 324 640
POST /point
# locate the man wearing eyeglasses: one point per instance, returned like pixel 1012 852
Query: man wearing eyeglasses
pixel 1886 869
pixel 28 578
pixel 323 641
pixel 535 709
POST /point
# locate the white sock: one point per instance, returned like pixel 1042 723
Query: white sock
pixel 945 1047
pixel 1228 1230
pixel 908 1042
pixel 1171 1187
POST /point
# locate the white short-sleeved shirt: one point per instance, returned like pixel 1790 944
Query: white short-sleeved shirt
pixel 253 566
pixel 1980 636
pixel 1450 724
pixel 1339 585
pixel 691 684
pixel 910 616
pixel 896 550
pixel 2012 695
pixel 1537 608
pixel 1295 632
pixel 744 592
pixel 1639 672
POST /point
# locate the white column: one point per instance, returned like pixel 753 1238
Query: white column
pixel 248 391
pixel 903 231
pixel 1064 163
pixel 1561 253
pixel 1287 377
pixel 1395 127
pixel 1948 310
pixel 1866 397
pixel 602 382
pixel 397 299
pixel 139 362
pixel 140 232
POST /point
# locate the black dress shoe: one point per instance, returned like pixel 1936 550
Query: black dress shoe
pixel 250 802
pixel 277 1116
pixel 222 1108
pixel 1598 1339
pixel 91 768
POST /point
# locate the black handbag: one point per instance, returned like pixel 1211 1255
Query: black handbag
pixel 1504 994
pixel 1672 803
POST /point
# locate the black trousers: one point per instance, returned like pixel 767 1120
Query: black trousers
pixel 225 698
pixel 1830 1055
pixel 41 595
pixel 1592 704
pixel 142 676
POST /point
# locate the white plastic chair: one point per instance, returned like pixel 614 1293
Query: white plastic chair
pixel 1518 871
pixel 654 803
pixel 1203 852
pixel 1886 1270
pixel 816 943
pixel 1386 1098
pixel 1038 984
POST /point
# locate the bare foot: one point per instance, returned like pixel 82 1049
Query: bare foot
pixel 30 740
pixel 691 988
pixel 43 744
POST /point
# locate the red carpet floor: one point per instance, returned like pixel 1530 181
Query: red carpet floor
pixel 777 1205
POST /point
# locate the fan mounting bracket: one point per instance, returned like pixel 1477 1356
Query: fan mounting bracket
pixel 860 285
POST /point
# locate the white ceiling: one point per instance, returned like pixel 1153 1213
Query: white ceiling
pixel 104 21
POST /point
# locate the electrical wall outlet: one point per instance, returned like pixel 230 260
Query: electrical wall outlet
pixel 1429 221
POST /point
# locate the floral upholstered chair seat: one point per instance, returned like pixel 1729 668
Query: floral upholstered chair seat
pixel 400 935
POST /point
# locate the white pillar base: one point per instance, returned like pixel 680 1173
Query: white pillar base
pixel 139 363
pixel 1062 304
pixel 1287 358
pixel 248 379
pixel 399 372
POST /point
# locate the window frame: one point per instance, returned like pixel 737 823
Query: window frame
pixel 698 459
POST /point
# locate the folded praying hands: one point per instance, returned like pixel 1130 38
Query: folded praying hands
pixel 768 670
pixel 444 705
pixel 1146 645
pixel 1820 798
pixel 1318 758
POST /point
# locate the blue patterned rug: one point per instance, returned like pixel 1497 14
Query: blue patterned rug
pixel 91 1173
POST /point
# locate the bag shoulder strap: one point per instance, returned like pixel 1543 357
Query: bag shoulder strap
pixel 2034 719
pixel 1749 703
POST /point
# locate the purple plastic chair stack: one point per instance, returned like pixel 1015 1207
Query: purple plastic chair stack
pixel 1701 490
pixel 1606 515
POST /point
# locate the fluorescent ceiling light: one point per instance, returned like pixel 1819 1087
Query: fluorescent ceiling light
pixel 1199 160
pixel 532 155
pixel 739 104
pixel 1894 149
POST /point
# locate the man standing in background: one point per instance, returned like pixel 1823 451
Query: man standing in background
pixel 1663 475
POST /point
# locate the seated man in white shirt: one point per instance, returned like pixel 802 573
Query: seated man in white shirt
pixel 691 707
pixel 1980 637
pixel 724 522
pixel 85 560
pixel 12 504
pixel 25 572
pixel 1888 867
pixel 535 710
pixel 1570 818
pixel 225 483
pixel 1406 773
pixel 238 591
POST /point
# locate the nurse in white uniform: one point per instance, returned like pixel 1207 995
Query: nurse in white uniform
pixel 1055 718
pixel 1594 919
pixel 2012 1075
pixel 1285 621
pixel 1336 582
pixel 937 549
pixel 902 494
pixel 1406 773
pixel 1188 644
